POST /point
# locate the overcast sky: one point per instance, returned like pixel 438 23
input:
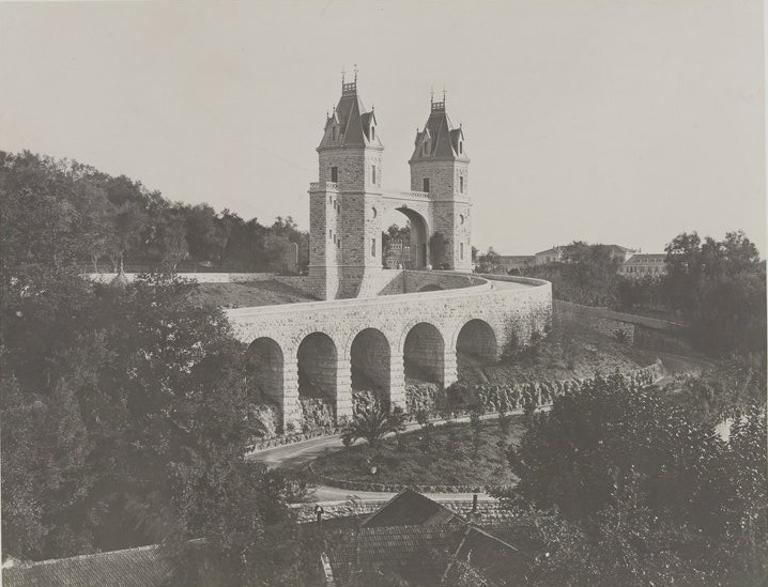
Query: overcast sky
pixel 609 121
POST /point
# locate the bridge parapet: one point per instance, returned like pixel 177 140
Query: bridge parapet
pixel 328 186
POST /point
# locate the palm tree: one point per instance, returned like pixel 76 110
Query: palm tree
pixel 373 423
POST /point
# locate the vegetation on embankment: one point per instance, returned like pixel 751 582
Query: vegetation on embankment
pixel 571 350
pixel 452 454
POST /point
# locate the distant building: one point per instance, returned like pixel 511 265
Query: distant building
pixel 515 262
pixel 558 254
pixel 644 265
pixel 397 255
pixel 619 253
pixel 553 255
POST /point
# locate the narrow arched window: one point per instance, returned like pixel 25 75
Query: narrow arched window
pixel 373 133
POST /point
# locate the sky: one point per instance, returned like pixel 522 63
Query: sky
pixel 611 121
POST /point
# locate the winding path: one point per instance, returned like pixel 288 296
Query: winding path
pixel 299 454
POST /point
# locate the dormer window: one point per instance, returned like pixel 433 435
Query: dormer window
pixel 373 132
pixel 334 133
pixel 461 147
pixel 426 148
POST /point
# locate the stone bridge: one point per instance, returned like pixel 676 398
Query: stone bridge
pixel 318 347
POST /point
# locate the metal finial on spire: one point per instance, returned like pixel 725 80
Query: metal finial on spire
pixel 444 93
pixel 431 94
pixel 355 70
pixel 343 74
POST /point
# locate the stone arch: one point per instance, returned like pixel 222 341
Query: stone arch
pixel 419 237
pixel 477 340
pixel 370 357
pixel 317 360
pixel 424 353
pixel 264 370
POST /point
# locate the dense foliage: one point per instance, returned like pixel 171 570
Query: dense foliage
pixel 372 423
pixel 125 421
pixel 716 287
pixel 629 489
pixel 719 287
pixel 63 212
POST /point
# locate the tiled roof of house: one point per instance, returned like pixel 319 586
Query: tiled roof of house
pixel 412 509
pixel 491 556
pixel 415 552
pixel 645 257
pixel 620 248
pixel 134 567
pixel 551 251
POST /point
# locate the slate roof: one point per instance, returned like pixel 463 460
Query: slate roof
pixel 134 567
pixel 352 121
pixel 410 508
pixel 440 136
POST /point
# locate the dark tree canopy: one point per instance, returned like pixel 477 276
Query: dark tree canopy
pixel 58 212
pixel 630 489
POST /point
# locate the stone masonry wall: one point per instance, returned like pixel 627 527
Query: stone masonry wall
pixel 517 310
pixel 451 207
pixel 597 321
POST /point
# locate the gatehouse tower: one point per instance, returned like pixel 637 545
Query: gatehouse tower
pixel 440 167
pixel 348 203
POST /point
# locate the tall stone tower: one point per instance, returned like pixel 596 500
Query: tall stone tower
pixel 440 166
pixel 344 213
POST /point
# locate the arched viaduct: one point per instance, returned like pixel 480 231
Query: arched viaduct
pixel 321 346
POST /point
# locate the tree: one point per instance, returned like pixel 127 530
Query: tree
pixel 637 491
pixel 719 287
pixel 373 423
pixel 125 421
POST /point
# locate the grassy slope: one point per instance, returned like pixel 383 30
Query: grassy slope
pixel 241 295
pixel 452 459
pixel 570 351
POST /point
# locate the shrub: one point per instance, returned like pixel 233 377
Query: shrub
pixel 373 423
pixel 621 336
